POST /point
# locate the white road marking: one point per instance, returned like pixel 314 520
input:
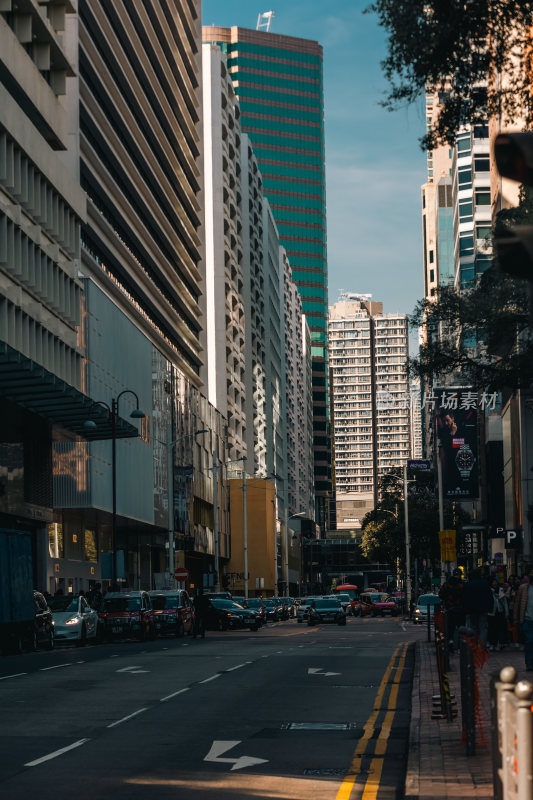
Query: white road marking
pixel 80 662
pixel 238 666
pixel 125 719
pixel 219 747
pixel 320 671
pixel 15 675
pixel 403 627
pixel 174 694
pixel 132 670
pixel 44 669
pixel 212 678
pixel 114 656
pixel 56 753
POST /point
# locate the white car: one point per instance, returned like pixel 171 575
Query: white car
pixel 303 608
pixel 74 619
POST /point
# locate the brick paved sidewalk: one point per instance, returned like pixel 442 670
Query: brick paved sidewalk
pixel 437 767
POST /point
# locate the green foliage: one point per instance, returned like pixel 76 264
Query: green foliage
pixel 480 336
pixel 383 529
pixel 454 46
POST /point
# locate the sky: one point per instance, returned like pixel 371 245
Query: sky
pixel 374 164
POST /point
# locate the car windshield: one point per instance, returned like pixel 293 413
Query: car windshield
pixel 327 603
pixel 428 600
pixel 112 604
pixel 343 598
pixel 269 602
pixel 161 602
pixel 375 598
pixel 254 603
pixel 64 604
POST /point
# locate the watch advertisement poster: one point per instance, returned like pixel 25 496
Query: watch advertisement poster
pixel 456 421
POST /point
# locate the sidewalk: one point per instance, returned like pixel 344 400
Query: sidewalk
pixel 437 767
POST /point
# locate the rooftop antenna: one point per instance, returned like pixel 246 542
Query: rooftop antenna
pixel 264 21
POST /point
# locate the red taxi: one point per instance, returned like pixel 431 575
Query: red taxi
pixel 173 612
pixel 375 603
pixel 127 614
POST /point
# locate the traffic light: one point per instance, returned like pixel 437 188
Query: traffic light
pixel 513 153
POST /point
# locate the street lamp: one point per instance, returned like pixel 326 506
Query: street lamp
pixel 169 444
pixel 90 425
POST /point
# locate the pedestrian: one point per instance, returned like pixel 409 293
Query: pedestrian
pixel 201 605
pixel 451 594
pixel 524 618
pixel 497 618
pixel 478 600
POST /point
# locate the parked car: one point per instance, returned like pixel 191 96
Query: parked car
pixel 173 612
pixel 283 607
pixel 219 595
pixel 43 623
pixel 303 608
pixel 273 611
pixel 127 614
pixel 326 609
pixel 423 604
pixel 345 601
pixel 74 619
pixel 256 604
pixel 375 603
pixel 223 615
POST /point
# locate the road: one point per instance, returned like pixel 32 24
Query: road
pixel 291 711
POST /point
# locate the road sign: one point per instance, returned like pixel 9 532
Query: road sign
pixel 419 464
pixel 512 539
pixel 181 574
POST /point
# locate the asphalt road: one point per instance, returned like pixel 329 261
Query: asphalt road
pixel 291 711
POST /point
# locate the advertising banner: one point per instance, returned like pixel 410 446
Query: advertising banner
pixel 456 417
pixel 447 545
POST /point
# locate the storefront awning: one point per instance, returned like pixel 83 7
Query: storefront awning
pixel 31 386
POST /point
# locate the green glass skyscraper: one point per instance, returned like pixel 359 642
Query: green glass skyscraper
pixel 278 80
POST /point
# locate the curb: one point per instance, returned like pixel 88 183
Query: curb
pixel 412 775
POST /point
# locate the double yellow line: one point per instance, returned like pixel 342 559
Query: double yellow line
pixel 370 791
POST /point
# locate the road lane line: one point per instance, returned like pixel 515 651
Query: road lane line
pixel 125 719
pixel 346 787
pixel 174 694
pixel 15 675
pixel 370 792
pixel 56 753
pixel 230 669
pixel 44 669
pixel 212 678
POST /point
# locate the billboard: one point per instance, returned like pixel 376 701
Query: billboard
pixel 456 421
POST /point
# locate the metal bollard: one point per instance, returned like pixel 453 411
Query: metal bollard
pixel 515 738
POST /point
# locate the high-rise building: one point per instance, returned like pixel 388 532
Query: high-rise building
pixel 278 80
pixel 368 354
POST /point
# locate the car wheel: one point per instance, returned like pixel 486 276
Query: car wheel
pixel 50 642
pixel 152 633
pixel 180 630
pixel 220 625
pixel 254 627
pixel 374 614
pixel 300 620
pixel 82 641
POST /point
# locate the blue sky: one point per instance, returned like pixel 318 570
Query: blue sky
pixel 374 165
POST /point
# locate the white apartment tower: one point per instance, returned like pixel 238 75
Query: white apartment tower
pixel 368 355
pixel 224 250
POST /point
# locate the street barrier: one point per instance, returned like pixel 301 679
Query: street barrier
pixel 512 737
pixel 472 656
pixel 446 701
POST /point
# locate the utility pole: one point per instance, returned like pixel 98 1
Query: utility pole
pixel 215 519
pixel 170 478
pixel 407 543
pixel 245 533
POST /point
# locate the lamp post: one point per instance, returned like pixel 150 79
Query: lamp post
pixel 90 425
pixel 169 444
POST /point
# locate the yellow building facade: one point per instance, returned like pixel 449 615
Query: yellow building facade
pixel 261 537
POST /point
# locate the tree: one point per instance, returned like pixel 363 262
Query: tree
pixel 480 336
pixel 383 528
pixel 455 46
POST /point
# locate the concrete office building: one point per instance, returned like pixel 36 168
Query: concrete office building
pixel 42 389
pixel 368 351
pixel 140 147
pixel 278 80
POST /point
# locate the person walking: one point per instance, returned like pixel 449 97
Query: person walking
pixel 201 603
pixel 523 606
pixel 497 632
pixel 478 600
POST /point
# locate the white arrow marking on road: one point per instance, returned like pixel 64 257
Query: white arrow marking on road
pixel 218 747
pixel 320 671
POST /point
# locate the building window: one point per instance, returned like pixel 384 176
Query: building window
pixel 89 545
pixel 56 545
pixel 482 198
